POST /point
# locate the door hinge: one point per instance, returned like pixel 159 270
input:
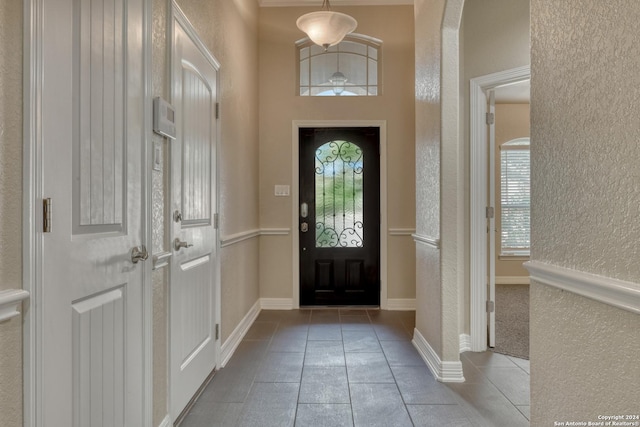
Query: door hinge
pixel 216 221
pixel 491 306
pixel 217 110
pixel 217 331
pixel 490 118
pixel 46 215
pixel 489 212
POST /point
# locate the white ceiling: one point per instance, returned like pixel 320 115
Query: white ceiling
pixel 318 3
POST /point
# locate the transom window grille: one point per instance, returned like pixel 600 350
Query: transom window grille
pixel 515 197
pixel 350 68
pixel 339 197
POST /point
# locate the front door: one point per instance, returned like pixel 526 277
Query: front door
pixel 91 364
pixel 339 216
pixel 193 200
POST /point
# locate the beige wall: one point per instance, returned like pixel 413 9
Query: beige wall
pixel 428 54
pixel 279 106
pixel 495 37
pixel 11 206
pixel 585 118
pixel 512 121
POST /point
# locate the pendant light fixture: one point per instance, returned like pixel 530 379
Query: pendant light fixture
pixel 326 28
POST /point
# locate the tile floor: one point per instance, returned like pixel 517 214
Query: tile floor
pixel 346 367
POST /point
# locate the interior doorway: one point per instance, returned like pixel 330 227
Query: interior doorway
pixel 339 216
pixel 483 206
pixel 509 243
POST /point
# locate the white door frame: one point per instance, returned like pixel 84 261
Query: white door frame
pixel 32 215
pixel 479 182
pixel 295 199
pixel 176 14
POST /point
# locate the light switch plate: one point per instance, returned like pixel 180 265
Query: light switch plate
pixel 282 190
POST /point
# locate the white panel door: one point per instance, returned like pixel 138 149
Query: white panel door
pixel 193 270
pixel 91 362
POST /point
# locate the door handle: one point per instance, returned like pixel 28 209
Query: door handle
pixel 139 253
pixel 179 244
pixel 304 227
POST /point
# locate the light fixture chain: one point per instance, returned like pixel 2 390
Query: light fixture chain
pixel 326 5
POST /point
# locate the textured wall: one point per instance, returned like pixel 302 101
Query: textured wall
pixel 586 203
pixel 11 205
pixel 159 192
pixel 279 106
pixel 428 25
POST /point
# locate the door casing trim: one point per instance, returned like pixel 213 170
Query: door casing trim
pixel 295 199
pixel 479 175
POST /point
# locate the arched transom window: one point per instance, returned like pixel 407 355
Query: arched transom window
pixel 350 68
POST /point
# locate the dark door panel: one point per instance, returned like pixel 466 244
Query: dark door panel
pixel 339 216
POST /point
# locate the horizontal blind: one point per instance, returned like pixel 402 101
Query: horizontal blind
pixel 515 199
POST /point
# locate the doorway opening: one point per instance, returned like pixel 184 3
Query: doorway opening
pixel 482 231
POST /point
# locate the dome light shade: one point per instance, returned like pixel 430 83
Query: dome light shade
pixel 326 28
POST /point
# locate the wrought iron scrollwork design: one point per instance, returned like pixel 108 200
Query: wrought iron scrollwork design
pixel 339 199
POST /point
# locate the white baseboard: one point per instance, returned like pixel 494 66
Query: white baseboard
pixel 446 372
pixel 276 303
pixel 401 304
pixel 512 280
pixel 166 422
pixel 465 343
pixel 230 345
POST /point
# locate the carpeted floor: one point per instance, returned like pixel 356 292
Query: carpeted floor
pixel 512 320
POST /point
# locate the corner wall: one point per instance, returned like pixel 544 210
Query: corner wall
pixel 428 35
pixel 585 118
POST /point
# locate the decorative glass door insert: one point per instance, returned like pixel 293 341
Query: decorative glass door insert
pixel 339 181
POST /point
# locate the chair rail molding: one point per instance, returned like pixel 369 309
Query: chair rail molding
pixel 618 293
pixel 9 302
pixel 239 237
pixel 433 242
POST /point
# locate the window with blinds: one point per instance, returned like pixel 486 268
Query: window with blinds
pixel 515 197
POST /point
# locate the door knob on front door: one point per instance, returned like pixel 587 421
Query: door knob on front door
pixel 304 227
pixel 179 244
pixel 139 253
